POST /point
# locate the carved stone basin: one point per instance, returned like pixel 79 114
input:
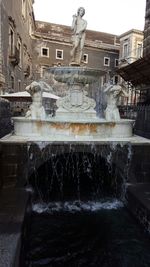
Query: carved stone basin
pixel 73 75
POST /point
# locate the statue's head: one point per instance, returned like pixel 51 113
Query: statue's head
pixel 116 90
pixel 81 11
pixel 33 88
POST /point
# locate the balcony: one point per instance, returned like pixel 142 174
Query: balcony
pixel 14 57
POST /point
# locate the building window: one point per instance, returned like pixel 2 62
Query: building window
pixel 116 62
pixel 102 81
pixel 85 58
pixel 12 83
pixel 45 52
pixel 19 52
pixel 106 61
pixel 59 54
pixel 25 55
pixel 115 79
pixel 125 50
pixel 139 50
pixel 11 41
pixel 19 85
pixel 24 8
pixel 42 69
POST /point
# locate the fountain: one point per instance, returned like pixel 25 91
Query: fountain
pixel 76 118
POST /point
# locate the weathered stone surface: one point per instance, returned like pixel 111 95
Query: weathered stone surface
pixel 138 202
pixel 13 204
pixel 5 118
pixel 13 164
pixel 139 165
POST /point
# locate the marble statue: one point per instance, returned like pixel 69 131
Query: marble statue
pixel 36 109
pixel 78 26
pixel 113 92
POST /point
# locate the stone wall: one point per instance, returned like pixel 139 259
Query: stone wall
pixel 5 126
pixel 5 117
pixel 146 43
pixel 1 180
pixel 139 170
pixel 14 164
pixel 137 201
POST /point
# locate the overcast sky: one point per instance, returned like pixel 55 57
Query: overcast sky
pixel 111 16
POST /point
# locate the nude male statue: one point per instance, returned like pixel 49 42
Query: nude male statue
pixel 78 26
pixel 113 93
pixel 36 109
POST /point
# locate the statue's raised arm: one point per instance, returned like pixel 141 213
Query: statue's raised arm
pixel 79 26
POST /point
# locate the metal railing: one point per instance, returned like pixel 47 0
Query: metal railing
pixel 142 123
pixel 128 112
pixel 141 115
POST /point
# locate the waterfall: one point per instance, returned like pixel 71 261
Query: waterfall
pixel 79 175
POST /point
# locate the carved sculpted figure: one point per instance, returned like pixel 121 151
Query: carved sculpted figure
pixel 113 93
pixel 78 26
pixel 36 109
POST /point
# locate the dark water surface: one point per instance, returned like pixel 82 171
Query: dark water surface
pixel 74 235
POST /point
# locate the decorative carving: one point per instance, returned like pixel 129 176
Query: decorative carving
pixel 76 101
pixel 36 109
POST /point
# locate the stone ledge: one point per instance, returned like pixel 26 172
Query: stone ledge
pixel 13 204
pixel 138 202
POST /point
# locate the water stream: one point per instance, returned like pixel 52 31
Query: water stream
pixel 78 216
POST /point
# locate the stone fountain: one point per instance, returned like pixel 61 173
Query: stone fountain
pixel 75 118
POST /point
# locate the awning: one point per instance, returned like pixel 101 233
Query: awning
pixel 138 72
pixel 25 96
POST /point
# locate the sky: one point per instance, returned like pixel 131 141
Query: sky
pixel 111 16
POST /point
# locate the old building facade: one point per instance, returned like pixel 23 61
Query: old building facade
pixel 131 47
pixel 138 74
pixel 16 27
pixel 146 42
pixel 28 48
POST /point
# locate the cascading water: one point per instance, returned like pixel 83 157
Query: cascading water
pixel 69 177
pixel 78 218
pixel 84 172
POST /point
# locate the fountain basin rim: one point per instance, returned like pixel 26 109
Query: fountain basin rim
pixel 66 121
pixel 77 70
pixel 77 129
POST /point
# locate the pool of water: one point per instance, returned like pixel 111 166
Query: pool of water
pixel 82 234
